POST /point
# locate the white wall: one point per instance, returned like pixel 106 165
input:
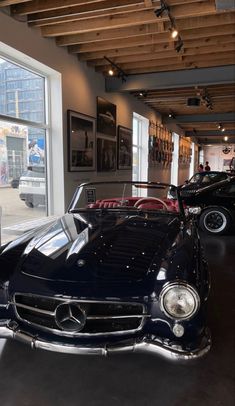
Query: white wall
pixel 216 158
pixel 183 174
pixel 80 86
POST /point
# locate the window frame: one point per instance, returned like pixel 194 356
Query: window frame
pixel 53 124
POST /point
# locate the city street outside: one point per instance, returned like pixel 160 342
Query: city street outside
pixel 15 212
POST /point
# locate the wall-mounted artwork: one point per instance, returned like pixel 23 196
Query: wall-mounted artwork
pixel 106 117
pixel 124 148
pixel 81 142
pixel 106 155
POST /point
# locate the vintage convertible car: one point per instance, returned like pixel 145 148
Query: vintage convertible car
pixel 123 270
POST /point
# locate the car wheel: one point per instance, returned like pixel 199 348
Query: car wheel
pixel 215 220
pixel 31 205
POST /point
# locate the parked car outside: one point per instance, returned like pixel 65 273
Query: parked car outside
pixel 123 270
pixel 32 186
pixel 217 203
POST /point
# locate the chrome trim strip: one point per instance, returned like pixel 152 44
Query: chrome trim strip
pixel 47 312
pixel 143 315
pixel 35 309
pixel 74 299
pixel 131 316
pixel 146 345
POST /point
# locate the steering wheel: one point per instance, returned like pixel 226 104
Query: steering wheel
pixel 150 199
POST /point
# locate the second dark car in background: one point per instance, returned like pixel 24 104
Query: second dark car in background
pixel 217 203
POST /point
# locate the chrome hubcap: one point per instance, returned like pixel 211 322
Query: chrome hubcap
pixel 215 221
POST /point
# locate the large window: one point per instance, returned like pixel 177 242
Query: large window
pixel 140 148
pixel 23 134
pixel 175 160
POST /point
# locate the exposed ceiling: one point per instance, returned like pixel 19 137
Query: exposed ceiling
pixel 134 38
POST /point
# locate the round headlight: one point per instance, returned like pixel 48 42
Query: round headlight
pixel 179 301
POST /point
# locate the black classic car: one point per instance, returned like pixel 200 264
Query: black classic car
pixel 197 182
pixel 123 270
pixel 217 204
pixel 202 179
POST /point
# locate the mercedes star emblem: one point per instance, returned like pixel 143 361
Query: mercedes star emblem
pixel 70 317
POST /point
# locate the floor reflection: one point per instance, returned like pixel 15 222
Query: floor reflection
pixel 2 345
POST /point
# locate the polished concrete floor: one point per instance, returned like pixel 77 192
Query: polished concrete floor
pixel 41 378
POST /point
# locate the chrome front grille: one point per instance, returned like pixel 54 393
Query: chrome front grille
pixel 101 317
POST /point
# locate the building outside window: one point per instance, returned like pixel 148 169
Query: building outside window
pixel 23 129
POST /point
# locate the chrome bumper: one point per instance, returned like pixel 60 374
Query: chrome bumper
pixel 151 345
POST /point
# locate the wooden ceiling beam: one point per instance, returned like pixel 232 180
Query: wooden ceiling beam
pixel 36 20
pixel 37 6
pixel 201 34
pixel 180 66
pixel 142 50
pixel 87 11
pixel 40 6
pixel 158 54
pixel 141 17
pixel 149 31
pixel 202 126
pixel 101 23
pixel 172 60
pixel 5 3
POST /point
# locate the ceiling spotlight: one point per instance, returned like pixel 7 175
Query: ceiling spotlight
pixel 171 115
pixel 115 69
pixel 142 94
pixel 161 10
pixel 226 138
pixel 222 129
pixel 219 126
pixel 174 33
pixel 179 44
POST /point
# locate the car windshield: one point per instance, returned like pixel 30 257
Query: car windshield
pixel 208 177
pixel 124 196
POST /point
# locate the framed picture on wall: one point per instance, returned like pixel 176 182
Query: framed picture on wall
pixel 81 142
pixel 124 148
pixel 106 117
pixel 106 155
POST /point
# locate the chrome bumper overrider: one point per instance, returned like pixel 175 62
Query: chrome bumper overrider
pixel 147 344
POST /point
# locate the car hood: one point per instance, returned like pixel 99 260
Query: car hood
pixel 105 247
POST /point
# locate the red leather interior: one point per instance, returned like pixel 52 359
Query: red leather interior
pixel 130 201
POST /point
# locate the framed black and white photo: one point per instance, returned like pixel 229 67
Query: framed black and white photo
pixel 106 117
pixel 124 148
pixel 81 142
pixel 106 155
